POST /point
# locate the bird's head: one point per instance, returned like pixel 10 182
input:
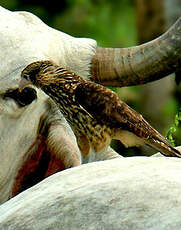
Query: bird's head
pixel 34 73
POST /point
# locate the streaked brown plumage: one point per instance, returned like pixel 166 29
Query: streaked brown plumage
pixel 95 113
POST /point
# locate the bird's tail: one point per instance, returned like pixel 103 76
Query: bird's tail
pixel 163 146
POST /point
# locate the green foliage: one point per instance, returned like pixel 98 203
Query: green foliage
pixel 174 127
pixel 9 4
pixel 111 23
pixel 170 107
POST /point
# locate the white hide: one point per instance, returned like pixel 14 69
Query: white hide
pixel 139 193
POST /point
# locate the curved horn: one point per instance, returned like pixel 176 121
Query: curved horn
pixel 139 64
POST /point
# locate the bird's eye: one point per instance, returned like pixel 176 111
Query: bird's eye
pixel 23 98
pixel 25 76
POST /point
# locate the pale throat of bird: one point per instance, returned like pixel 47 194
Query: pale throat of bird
pixel 78 118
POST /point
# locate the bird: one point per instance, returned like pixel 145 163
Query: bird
pixel 95 113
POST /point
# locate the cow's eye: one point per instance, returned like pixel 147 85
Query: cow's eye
pixel 23 98
pixel 26 96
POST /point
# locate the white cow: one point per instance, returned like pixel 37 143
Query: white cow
pixel 35 139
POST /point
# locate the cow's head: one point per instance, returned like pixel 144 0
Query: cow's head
pixel 35 140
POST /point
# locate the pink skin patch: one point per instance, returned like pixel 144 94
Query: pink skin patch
pixel 39 165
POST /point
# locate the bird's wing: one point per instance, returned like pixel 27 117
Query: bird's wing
pixel 105 106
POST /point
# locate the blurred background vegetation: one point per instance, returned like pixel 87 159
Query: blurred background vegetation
pixel 119 23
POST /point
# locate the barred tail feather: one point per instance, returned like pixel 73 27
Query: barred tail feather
pixel 164 147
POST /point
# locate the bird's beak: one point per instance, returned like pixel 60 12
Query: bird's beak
pixel 23 83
